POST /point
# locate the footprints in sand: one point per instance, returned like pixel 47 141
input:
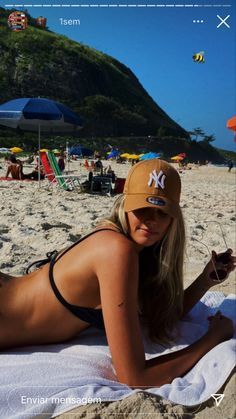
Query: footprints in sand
pixel 34 222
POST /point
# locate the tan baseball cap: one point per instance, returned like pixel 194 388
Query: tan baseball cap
pixel 153 183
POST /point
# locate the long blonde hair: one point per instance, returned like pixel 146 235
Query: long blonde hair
pixel 160 276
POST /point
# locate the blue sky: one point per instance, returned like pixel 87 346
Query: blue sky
pixel 157 44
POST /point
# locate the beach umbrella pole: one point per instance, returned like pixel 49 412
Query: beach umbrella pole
pixel 67 156
pixel 39 160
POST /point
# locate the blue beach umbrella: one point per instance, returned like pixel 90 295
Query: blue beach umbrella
pixel 39 114
pixel 113 154
pixel 77 150
pixel 150 155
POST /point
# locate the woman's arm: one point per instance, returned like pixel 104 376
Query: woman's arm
pixel 204 281
pixel 20 166
pixel 177 364
pixel 195 292
pixel 116 266
pixel 117 271
pixel 8 171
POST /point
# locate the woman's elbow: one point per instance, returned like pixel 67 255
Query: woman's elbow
pixel 146 379
pixel 131 382
pixel 129 378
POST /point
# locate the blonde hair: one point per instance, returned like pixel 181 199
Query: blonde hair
pixel 160 276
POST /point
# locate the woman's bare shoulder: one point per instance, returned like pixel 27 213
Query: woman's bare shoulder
pixel 114 252
pixel 111 240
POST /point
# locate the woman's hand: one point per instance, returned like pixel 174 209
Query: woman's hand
pixel 220 328
pixel 219 267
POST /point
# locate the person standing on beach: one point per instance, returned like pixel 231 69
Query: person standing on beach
pixel 230 165
pixel 127 271
pixel 61 161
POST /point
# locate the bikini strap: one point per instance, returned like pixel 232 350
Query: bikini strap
pixel 41 262
pixel 52 256
pixel 81 239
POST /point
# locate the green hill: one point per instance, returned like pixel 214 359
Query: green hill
pixel 37 62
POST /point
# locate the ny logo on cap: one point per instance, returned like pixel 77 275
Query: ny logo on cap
pixel 158 178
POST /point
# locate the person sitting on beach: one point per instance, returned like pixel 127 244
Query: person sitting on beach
pixel 61 161
pixel 34 175
pixel 128 271
pixel 14 168
pixel 108 171
pixel 98 166
pixel 12 158
pixel 16 171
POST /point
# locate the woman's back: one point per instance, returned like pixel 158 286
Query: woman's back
pixel 30 302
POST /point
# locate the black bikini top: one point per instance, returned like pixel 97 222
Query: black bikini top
pixel 87 314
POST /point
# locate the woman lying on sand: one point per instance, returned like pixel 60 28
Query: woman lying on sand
pixel 127 271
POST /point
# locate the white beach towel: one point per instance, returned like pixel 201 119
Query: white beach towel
pixel 45 381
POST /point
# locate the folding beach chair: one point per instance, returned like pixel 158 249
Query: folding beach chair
pixel 49 174
pixel 67 182
pixel 55 176
pixel 101 184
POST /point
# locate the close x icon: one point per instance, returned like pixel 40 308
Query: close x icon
pixel 223 21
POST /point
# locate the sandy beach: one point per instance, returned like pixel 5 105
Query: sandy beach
pixel 34 221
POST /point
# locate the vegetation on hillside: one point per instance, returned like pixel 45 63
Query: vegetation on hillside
pixel 168 146
pixel 37 62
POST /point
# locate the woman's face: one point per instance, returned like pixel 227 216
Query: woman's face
pixel 147 226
